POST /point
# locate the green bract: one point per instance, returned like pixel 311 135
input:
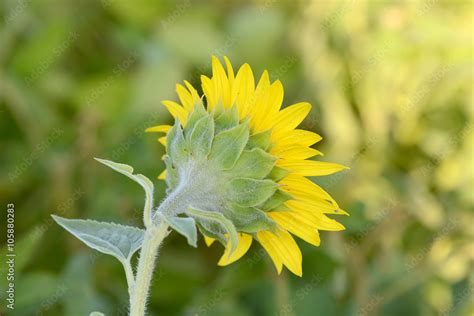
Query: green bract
pixel 221 176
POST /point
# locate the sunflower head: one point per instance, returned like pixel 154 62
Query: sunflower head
pixel 237 166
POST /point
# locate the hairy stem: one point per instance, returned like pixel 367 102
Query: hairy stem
pixel 130 276
pixel 147 210
pixel 153 237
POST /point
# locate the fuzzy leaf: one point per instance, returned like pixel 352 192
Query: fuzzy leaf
pixel 228 145
pixel 260 140
pixel 249 219
pixel 198 113
pixel 278 173
pixel 218 109
pixel 212 230
pixel 176 146
pixel 219 219
pixel 275 202
pixel 172 176
pixel 200 139
pixel 250 192
pixel 185 226
pixel 254 163
pixel 114 239
pixel 227 119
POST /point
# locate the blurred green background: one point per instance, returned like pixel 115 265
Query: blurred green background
pixel 391 87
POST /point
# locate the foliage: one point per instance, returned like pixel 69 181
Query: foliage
pixel 391 88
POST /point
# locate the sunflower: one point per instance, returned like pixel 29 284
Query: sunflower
pixel 261 155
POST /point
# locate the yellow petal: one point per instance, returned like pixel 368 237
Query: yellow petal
pixel 326 223
pixel 310 168
pixel 320 221
pixel 295 152
pixel 302 187
pixel 289 118
pixel 297 137
pixel 176 110
pixel 244 243
pixel 314 205
pixel 208 240
pixel 283 247
pixel 258 108
pixel 231 79
pixel 209 91
pixel 244 89
pixel 158 129
pixel 230 70
pixel 297 227
pixel 273 105
pixel 221 83
pixel 194 93
pixel 266 240
pixel 162 140
pixel 185 97
pixel 276 92
pixel 162 175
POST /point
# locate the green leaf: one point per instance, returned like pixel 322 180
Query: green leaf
pixel 219 219
pixel 260 140
pixel 249 219
pixel 172 177
pixel 176 146
pixel 228 145
pixel 250 192
pixel 96 314
pixel 278 173
pixel 275 202
pixel 227 119
pixel 198 113
pixel 281 208
pixel 114 239
pixel 185 226
pixel 218 109
pixel 212 230
pixel 200 139
pixel 254 163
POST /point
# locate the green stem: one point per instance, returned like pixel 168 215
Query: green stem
pixel 147 210
pixel 146 264
pixel 130 276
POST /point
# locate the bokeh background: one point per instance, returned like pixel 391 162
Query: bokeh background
pixel 391 87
